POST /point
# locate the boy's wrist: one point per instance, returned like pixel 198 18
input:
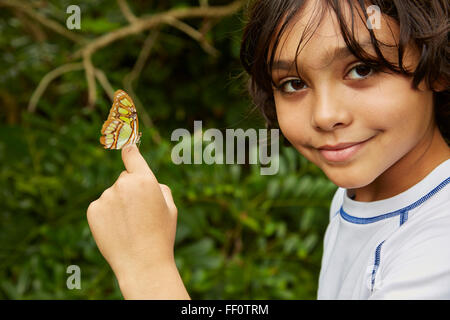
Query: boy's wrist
pixel 159 282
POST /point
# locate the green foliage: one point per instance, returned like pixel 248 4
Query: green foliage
pixel 240 235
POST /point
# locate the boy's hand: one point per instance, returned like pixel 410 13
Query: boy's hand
pixel 134 221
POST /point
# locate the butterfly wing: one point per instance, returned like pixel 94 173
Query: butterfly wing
pixel 122 126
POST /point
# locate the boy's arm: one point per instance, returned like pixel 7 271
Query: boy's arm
pixel 163 282
pixel 134 223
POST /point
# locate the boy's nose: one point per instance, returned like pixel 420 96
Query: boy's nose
pixel 328 113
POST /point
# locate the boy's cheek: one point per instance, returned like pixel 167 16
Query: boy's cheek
pixel 299 136
pixel 293 128
pixel 311 154
pixel 299 140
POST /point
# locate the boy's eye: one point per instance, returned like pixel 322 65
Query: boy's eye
pixel 358 72
pixel 361 71
pixel 291 86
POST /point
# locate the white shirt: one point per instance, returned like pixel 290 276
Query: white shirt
pixel 397 248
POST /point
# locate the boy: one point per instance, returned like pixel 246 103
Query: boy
pixel 370 115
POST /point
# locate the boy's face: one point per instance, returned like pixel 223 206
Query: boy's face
pixel 353 123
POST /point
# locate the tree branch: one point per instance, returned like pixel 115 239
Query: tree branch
pixel 126 11
pixel 131 77
pixel 137 25
pixel 104 82
pixel 49 77
pixel 90 78
pixel 51 24
pixel 142 58
pixel 193 33
pixel 145 23
pixel 33 28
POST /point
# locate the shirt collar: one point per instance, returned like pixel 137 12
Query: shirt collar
pixel 405 201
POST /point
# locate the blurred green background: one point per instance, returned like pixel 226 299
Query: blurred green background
pixel 240 235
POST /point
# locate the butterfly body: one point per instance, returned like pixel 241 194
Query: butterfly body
pixel 122 126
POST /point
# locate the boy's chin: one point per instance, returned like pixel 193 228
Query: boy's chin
pixel 349 179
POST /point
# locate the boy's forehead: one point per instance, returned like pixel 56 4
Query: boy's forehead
pixel 305 19
pixel 322 40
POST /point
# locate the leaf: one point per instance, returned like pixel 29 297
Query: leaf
pixel 273 188
pixel 98 26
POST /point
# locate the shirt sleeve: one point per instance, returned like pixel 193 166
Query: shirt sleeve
pixel 419 268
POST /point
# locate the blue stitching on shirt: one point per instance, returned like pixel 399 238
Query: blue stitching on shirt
pixel 358 220
pixel 403 217
pixel 336 213
pixel 376 264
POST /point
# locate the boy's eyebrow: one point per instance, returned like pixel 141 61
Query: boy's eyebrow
pixel 339 53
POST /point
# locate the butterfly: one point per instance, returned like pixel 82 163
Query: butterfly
pixel 122 127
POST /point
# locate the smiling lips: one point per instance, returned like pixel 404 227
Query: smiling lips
pixel 341 152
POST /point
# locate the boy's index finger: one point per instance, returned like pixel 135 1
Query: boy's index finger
pixel 133 160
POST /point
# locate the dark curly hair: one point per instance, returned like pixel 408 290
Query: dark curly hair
pixel 424 22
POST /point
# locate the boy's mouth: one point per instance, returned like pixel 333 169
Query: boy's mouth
pixel 341 152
